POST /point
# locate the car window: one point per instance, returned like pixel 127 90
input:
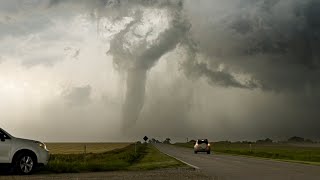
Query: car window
pixel 203 141
pixel 1 135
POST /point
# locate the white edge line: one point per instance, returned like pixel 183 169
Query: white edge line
pixel 193 166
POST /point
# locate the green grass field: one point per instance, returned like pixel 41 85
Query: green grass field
pixel 79 148
pixel 273 151
pixel 141 157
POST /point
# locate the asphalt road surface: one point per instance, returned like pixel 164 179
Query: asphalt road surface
pixel 225 167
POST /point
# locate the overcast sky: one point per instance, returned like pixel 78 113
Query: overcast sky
pixel 104 70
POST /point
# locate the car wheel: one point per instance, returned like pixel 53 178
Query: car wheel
pixel 195 152
pixel 208 152
pixel 25 164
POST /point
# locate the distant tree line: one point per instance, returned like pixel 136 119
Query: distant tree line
pixel 166 141
pixel 297 139
pixel 294 139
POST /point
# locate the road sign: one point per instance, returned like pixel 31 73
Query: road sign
pixel 145 138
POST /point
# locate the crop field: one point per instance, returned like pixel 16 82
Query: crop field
pixel 290 152
pixel 80 148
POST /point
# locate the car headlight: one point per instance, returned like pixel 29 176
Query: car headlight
pixel 42 145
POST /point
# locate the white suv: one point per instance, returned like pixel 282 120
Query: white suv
pixel 202 145
pixel 22 155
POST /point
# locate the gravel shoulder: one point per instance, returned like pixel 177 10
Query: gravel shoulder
pixel 161 174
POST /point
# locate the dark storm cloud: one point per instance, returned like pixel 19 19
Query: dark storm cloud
pixel 220 78
pixel 277 42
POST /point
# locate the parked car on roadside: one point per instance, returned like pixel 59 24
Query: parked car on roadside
pixel 202 145
pixel 22 155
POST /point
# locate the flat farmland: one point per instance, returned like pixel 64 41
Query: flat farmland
pixel 79 148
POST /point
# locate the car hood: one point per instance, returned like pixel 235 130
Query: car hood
pixel 25 140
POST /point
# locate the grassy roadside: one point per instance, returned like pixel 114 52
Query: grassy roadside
pixel 155 159
pixel 283 152
pixel 146 157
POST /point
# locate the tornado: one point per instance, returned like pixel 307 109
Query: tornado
pixel 135 54
pixel 134 99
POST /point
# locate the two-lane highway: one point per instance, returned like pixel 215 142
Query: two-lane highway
pixel 225 167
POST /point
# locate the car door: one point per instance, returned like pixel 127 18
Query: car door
pixel 5 147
